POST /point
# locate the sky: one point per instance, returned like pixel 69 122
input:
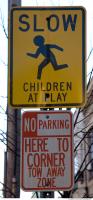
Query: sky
pixel 88 4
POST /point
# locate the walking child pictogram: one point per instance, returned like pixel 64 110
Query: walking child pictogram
pixel 45 50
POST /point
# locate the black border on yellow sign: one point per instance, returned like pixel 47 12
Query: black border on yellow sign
pixel 83 58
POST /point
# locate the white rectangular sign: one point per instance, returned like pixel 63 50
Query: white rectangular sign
pixel 47 151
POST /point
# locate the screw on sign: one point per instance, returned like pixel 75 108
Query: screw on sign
pixel 47 151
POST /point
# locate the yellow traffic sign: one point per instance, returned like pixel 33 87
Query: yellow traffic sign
pixel 47 57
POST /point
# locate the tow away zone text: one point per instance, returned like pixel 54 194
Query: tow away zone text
pixel 38 158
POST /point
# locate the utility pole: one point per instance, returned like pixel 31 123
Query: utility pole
pixel 12 156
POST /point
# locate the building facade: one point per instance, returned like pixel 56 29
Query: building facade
pixel 83 143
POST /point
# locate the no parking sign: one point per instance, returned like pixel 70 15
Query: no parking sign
pixel 47 151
